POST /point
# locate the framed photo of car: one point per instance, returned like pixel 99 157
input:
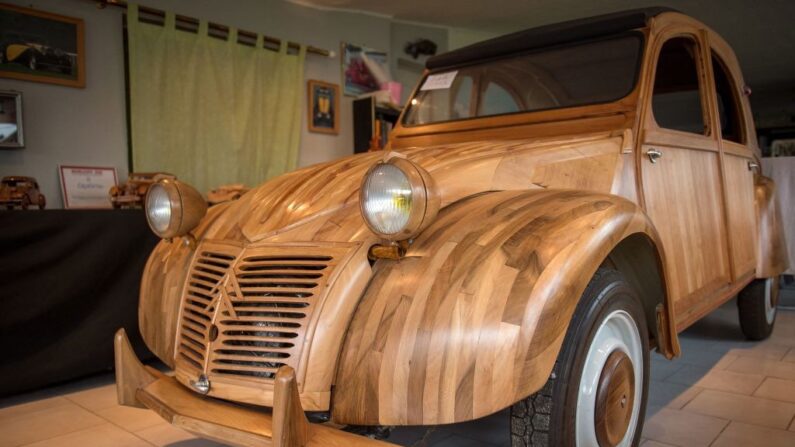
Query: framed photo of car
pixel 323 107
pixel 87 186
pixel 41 47
pixel 11 132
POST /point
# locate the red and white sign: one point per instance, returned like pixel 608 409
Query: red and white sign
pixel 87 186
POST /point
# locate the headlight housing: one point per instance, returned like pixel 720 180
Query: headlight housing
pixel 398 199
pixel 173 208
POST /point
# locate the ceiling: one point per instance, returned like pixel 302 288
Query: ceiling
pixel 761 32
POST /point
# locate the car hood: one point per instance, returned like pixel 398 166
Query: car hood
pixel 460 170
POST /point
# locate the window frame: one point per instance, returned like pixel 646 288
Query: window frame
pixel 703 86
pixel 736 96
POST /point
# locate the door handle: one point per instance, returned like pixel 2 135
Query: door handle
pixel 654 155
pixel 753 166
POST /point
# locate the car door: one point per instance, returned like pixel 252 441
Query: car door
pixel 680 174
pixel 738 162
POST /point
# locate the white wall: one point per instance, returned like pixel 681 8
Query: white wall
pixel 88 126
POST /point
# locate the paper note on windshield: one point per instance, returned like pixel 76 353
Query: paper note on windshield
pixel 439 81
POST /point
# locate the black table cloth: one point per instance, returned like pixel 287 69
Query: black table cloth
pixel 68 280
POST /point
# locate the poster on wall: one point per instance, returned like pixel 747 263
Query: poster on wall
pixel 359 69
pixel 323 107
pixel 11 134
pixel 87 186
pixel 40 46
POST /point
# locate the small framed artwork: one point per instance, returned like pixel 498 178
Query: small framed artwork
pixel 361 67
pixel 87 186
pixel 42 47
pixel 323 107
pixel 11 132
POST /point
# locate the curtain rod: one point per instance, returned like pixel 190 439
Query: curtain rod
pixel 215 27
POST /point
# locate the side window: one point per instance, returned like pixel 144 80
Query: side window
pixel 462 99
pixel 731 123
pixel 676 101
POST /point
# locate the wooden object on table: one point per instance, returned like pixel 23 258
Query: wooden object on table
pixel 21 192
pixel 226 193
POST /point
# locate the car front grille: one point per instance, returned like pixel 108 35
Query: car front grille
pixel 245 311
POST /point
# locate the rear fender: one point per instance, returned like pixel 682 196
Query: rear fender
pixel 472 319
pixel 773 259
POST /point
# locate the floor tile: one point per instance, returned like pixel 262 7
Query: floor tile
pixel 770 368
pixel 790 357
pixel 95 398
pixel 662 369
pixel 129 418
pixel 166 435
pixel 777 389
pixel 662 394
pixel 106 435
pixel 683 429
pixel 722 380
pixel 32 406
pixel 735 407
pixel 684 398
pixel 33 426
pixel 653 443
pixel 738 434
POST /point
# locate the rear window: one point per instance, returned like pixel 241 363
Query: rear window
pixel 578 74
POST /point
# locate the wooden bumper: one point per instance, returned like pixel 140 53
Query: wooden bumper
pixel 245 426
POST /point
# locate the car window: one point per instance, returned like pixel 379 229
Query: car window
pixel 676 101
pixel 728 104
pixel 547 78
pixel 496 100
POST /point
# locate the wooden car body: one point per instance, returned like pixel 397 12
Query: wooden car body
pixel 471 318
pixel 19 191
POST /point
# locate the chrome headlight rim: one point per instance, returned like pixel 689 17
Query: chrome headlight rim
pixel 186 208
pixel 425 199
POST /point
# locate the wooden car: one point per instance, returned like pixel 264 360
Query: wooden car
pixel 226 193
pixel 552 205
pixel 131 193
pixel 21 192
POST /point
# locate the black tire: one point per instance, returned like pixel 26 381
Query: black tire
pixel 752 304
pixel 42 202
pixel 548 417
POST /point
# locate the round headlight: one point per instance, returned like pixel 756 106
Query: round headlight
pixel 173 208
pixel 158 208
pixel 398 199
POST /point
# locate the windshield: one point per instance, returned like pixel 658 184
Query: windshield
pixel 580 74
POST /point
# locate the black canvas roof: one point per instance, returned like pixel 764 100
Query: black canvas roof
pixel 548 35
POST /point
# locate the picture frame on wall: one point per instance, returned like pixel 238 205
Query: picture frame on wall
pixel 12 133
pixel 87 187
pixel 323 107
pixel 358 66
pixel 40 46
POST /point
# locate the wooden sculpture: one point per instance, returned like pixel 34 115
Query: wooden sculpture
pixel 21 192
pixel 552 204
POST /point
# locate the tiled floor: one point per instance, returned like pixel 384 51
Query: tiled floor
pixel 722 392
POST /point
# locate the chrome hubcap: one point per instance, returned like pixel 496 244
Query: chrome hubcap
pixel 608 407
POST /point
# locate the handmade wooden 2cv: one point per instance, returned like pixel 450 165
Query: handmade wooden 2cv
pixel 553 205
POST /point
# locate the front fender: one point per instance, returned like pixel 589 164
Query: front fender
pixel 472 319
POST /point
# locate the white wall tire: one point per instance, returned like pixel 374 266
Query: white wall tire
pixel 757 305
pixel 608 326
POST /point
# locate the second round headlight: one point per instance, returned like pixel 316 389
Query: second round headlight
pixel 398 199
pixel 173 208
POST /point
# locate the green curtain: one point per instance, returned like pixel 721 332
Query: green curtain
pixel 210 111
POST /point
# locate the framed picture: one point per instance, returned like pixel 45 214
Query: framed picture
pixel 358 66
pixel 11 132
pixel 323 107
pixel 40 46
pixel 87 186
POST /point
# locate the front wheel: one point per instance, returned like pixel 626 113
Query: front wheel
pixel 596 395
pixel 757 304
